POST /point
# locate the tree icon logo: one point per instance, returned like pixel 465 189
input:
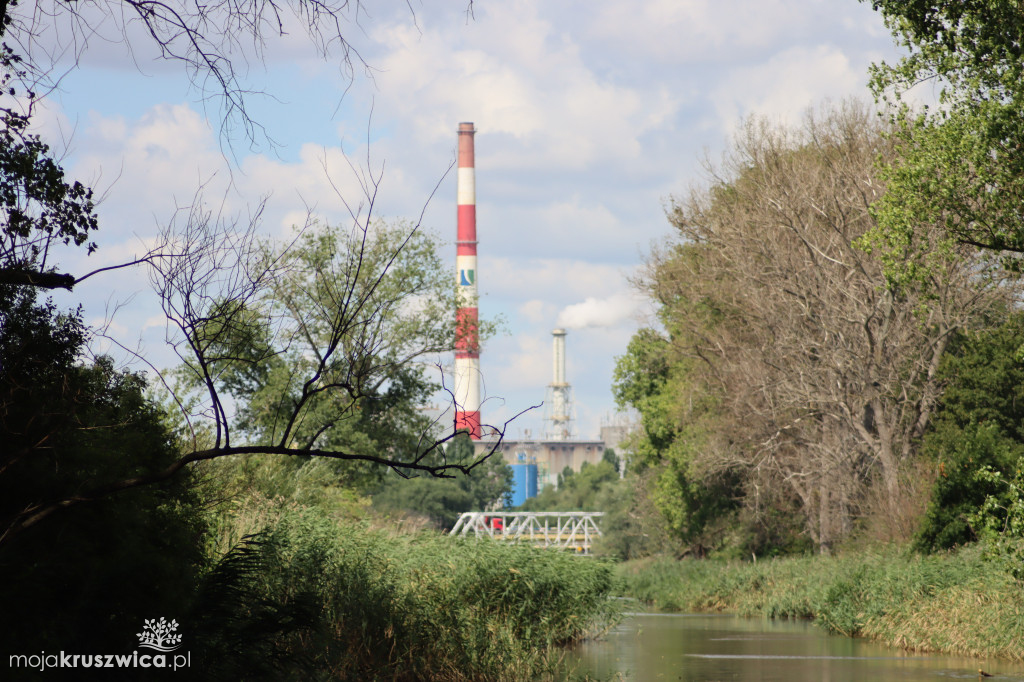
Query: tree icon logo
pixel 158 635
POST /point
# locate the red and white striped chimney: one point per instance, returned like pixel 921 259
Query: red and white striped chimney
pixel 467 338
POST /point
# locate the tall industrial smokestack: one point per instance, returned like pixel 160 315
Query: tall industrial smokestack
pixel 559 398
pixel 558 357
pixel 467 338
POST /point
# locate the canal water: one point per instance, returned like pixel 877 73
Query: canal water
pixel 703 648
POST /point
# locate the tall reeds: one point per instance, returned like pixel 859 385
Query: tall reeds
pixel 956 603
pixel 412 607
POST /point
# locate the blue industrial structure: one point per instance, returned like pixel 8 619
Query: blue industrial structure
pixel 524 483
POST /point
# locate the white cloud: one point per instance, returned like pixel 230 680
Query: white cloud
pixel 578 227
pixel 692 30
pixel 549 279
pixel 145 168
pixel 523 82
pixel 783 87
pixel 520 362
pixel 607 312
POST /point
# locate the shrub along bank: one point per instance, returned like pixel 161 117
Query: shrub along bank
pixel 957 603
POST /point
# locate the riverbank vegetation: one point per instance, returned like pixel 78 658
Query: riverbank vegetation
pixel 365 604
pixel 834 430
pixel 959 602
pixel 231 496
pixel 266 559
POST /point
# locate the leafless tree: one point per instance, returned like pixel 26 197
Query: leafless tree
pixel 216 42
pixel 826 373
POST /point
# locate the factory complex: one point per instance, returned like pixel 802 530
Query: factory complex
pixel 538 462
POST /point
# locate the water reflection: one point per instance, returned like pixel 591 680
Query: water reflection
pixel 692 648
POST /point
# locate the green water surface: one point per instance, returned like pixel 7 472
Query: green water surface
pixel 705 648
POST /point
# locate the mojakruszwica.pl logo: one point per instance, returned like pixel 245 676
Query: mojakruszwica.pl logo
pixel 157 635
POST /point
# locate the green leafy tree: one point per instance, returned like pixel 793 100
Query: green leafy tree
pixel 1000 519
pixel 71 426
pixel 442 500
pixel 352 314
pixel 677 417
pixel 959 167
pixel 787 362
pixel 979 425
pixel 577 491
pixel 632 528
pixel 609 456
pixel 379 302
pixel 326 356
pixel 42 210
pixel 39 209
pixel 45 397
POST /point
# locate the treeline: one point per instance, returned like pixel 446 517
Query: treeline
pixel 793 384
pixel 837 354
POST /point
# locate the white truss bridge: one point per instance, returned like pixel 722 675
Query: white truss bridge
pixel 575 531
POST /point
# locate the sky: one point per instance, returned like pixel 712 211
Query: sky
pixel 590 115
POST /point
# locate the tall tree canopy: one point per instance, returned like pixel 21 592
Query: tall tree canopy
pixel 823 377
pixel 980 423
pixel 66 428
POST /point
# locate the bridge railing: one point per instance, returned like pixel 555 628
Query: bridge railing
pixel 574 531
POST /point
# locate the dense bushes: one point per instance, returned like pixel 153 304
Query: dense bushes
pixel 979 424
pixel 441 501
pixel 264 587
pixel 83 576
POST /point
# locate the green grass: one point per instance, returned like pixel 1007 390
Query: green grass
pixel 954 603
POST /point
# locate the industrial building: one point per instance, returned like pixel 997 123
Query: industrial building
pixel 551 457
